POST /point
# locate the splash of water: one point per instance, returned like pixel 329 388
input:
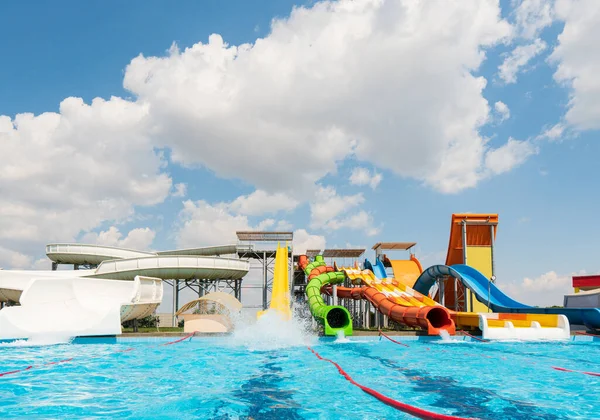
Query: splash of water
pixel 40 340
pixel 341 337
pixel 446 339
pixel 271 332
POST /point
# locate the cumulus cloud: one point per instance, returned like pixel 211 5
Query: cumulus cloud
pixel 204 224
pixel 139 238
pixel 180 190
pixel 260 202
pixel 348 73
pixel 553 133
pixel 545 290
pixel 518 59
pixel 502 110
pixel 63 173
pixel 509 156
pixel 531 16
pixel 304 240
pixel 578 60
pixel 14 259
pixel 362 176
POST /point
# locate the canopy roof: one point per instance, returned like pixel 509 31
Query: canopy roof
pixel 224 299
pixel 343 253
pixel 403 246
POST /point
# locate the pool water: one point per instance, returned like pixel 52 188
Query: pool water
pixel 252 377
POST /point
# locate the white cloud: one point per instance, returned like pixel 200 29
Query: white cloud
pixel 139 238
pixel 502 110
pixel 14 259
pixel 532 16
pixel 546 290
pixel 63 173
pixel 578 60
pixel 362 176
pixel 518 58
pixel 509 156
pixel 261 202
pixel 349 73
pixel 553 133
pixel 304 240
pixel 204 224
pixel 327 205
pixel 180 190
pixel 283 225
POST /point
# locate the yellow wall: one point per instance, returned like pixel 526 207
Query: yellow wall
pixel 480 258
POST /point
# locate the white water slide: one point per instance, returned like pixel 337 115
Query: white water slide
pixel 125 285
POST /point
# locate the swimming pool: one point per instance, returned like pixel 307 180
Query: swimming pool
pixel 236 377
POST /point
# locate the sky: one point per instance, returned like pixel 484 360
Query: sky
pixel 157 125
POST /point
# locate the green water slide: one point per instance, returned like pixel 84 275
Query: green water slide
pixel 333 318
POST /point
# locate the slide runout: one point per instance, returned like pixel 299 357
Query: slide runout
pixel 532 327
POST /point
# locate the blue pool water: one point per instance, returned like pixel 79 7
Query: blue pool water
pixel 236 377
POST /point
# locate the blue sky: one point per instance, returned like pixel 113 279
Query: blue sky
pixel 332 87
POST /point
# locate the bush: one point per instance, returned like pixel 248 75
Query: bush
pixel 150 321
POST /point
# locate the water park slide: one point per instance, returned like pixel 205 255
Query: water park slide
pixel 493 326
pixel 334 318
pixel 401 303
pixel 479 284
pixel 67 253
pixel 15 283
pixel 280 295
pixel 73 306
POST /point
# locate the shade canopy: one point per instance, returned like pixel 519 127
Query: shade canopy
pixel 227 301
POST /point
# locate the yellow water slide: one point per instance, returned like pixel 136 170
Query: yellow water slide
pixel 280 295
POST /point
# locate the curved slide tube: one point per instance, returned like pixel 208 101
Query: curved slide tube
pixel 498 301
pixel 74 306
pixel 399 302
pixel 333 318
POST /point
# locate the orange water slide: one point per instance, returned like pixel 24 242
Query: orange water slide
pixel 400 305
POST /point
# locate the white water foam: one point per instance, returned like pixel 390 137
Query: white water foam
pixel 446 339
pixel 341 338
pixel 271 332
pixel 40 340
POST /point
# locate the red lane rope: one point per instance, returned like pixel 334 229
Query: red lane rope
pixel 12 372
pixel 473 337
pixel 575 371
pixel 381 333
pixel 587 333
pixel 414 411
pixel 180 339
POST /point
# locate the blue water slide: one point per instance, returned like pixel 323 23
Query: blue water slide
pixel 498 301
pixel 378 269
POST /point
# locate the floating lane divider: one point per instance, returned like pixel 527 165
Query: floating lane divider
pixel 382 334
pixel 409 409
pixel 12 372
pixel 474 337
pixel 575 371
